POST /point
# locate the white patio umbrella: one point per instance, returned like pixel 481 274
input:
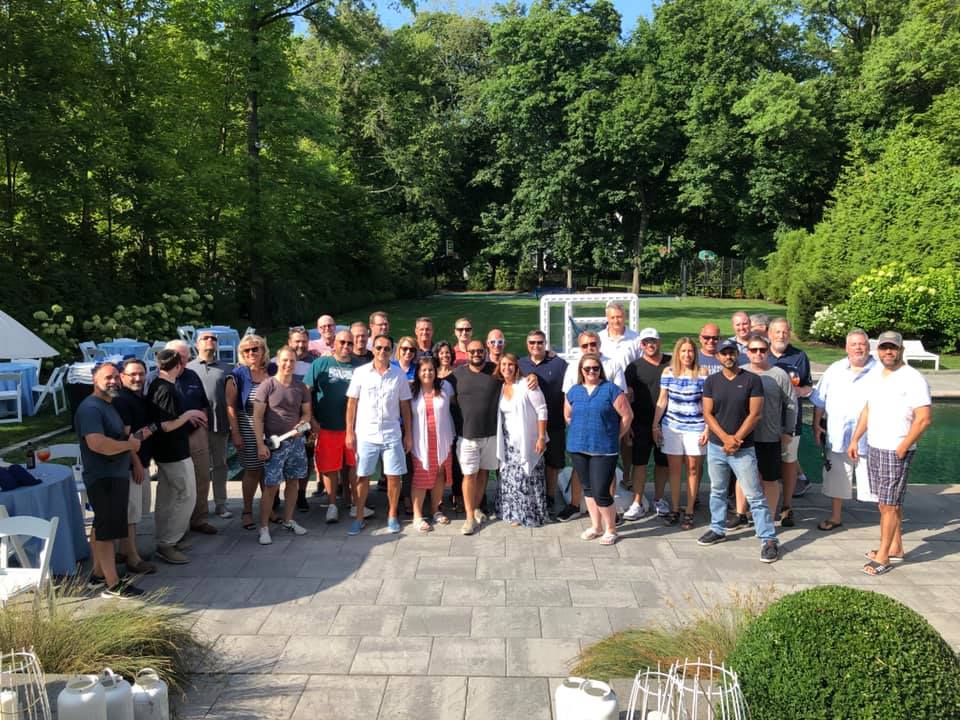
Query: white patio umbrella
pixel 16 341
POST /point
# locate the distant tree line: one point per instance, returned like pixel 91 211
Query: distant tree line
pixel 288 157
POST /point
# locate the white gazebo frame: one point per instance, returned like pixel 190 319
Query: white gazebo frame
pixel 629 300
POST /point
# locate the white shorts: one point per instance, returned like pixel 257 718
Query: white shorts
pixel 139 500
pixel 477 454
pixel 788 452
pixel 682 442
pixel 838 480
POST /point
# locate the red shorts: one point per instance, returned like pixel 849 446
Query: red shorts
pixel 331 453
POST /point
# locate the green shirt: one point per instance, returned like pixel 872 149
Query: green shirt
pixel 328 380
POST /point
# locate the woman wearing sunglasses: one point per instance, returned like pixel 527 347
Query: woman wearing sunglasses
pixel 405 355
pixel 598 415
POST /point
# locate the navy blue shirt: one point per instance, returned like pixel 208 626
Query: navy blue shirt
pixel 731 401
pixel 98 417
pixel 549 372
pixel 796 364
pixel 594 421
pixel 193 395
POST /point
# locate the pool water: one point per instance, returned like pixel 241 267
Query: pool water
pixel 936 452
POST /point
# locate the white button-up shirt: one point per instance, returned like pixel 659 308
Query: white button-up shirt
pixel 842 393
pixel 624 349
pixel 378 399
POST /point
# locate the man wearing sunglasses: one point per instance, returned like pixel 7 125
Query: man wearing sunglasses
pixel 463 331
pixel 327 327
pixel 709 340
pixel 496 344
pixel 377 398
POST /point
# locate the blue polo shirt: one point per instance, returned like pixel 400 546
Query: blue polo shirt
pixel 549 372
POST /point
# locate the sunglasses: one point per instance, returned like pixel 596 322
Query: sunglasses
pixel 534 342
pixel 495 343
pixel 589 344
pixel 298 329
pixel 404 348
pixel 209 337
pixel 343 342
pixel 464 329
pixel 381 348
pixel 756 350
pixel 250 350
pixel 591 368
pixel 477 351
pixel 710 338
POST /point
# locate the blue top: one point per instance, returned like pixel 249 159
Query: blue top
pixel 243 378
pixel 594 421
pixel 410 372
pixel 549 372
pixel 684 403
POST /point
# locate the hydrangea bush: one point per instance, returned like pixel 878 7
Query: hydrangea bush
pixel 155 321
pixel 921 304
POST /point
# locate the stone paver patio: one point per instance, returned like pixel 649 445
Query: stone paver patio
pixel 444 626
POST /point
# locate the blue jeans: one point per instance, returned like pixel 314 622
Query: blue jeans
pixel 743 464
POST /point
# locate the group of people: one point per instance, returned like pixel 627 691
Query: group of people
pixel 430 417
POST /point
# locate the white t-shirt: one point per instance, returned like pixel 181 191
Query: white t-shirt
pixel 891 401
pixel 378 402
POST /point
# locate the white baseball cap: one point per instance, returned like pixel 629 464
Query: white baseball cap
pixel 649 334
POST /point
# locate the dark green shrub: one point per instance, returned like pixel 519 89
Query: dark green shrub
pixel 834 652
pixel 504 278
pixel 479 275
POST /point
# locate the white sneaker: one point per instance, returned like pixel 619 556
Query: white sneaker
pixel 367 512
pixel 333 514
pixel 662 507
pixel 635 512
pixel 222 512
pixel 296 528
pixel 265 538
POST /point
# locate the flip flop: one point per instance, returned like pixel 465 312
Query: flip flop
pixel 609 539
pixel 423 527
pixel 874 569
pixel 589 534
pixel 872 556
pixel 440 519
pixel 248 525
pixel 828 525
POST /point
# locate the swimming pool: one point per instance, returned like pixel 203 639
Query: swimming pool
pixel 937 452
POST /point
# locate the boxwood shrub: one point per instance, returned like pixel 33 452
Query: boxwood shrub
pixel 835 652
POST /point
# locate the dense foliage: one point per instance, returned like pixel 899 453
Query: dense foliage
pixel 294 156
pixel 839 652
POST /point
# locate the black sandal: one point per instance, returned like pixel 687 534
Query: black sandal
pixel 248 525
pixel 687 523
pixel 672 518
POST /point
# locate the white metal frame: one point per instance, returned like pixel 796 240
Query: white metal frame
pixel 630 301
pixel 14 581
pixel 12 395
pixel 90 351
pixel 53 386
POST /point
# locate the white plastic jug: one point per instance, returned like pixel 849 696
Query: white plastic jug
pixel 150 696
pixel 82 699
pixel 598 701
pixel 118 694
pixel 567 698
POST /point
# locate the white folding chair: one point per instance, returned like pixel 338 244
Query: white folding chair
pixel 29 361
pixel 54 387
pixel 15 581
pixel 16 547
pixel 250 330
pixel 150 357
pixel 91 353
pixel 72 451
pixel 12 395
pixel 187 333
pixel 227 353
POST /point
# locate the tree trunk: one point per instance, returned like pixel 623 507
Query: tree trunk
pixel 638 249
pixel 254 209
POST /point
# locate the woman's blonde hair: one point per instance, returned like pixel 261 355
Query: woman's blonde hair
pixel 675 366
pixel 401 341
pixel 253 341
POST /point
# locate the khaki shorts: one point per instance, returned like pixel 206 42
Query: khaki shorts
pixel 477 454
pixel 139 501
pixel 788 452
pixel 838 480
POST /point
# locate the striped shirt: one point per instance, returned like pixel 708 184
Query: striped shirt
pixel 684 402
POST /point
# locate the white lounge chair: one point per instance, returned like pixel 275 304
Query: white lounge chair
pixel 53 387
pixel 14 581
pixel 913 350
pixel 12 395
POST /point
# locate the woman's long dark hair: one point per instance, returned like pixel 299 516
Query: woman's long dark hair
pixel 415 385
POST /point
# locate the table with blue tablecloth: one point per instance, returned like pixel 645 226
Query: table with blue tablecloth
pixel 28 378
pixel 55 496
pixel 124 347
pixel 227 337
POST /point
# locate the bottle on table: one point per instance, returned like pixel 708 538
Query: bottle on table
pixel 31 457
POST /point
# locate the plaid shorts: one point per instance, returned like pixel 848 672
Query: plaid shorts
pixel 888 475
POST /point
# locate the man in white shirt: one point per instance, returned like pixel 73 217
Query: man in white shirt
pixel 377 399
pixel 896 414
pixel 839 397
pixel 617 340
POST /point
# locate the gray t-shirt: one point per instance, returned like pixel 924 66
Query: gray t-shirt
pixel 214 378
pixel 779 406
pixel 96 416
pixel 283 404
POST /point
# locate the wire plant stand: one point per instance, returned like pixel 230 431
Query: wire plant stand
pixel 23 692
pixel 689 690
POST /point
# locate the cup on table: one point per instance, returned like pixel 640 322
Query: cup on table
pixel 43 454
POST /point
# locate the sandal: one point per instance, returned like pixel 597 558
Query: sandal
pixel 828 525
pixel 872 556
pixel 874 568
pixel 423 527
pixel 456 505
pixel 440 519
pixel 687 522
pixel 672 518
pixel 250 524
pixel 590 534
pixel 609 538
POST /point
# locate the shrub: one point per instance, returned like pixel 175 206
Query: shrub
pixel 837 652
pixel 753 282
pixel 479 275
pixel 830 325
pixel 503 278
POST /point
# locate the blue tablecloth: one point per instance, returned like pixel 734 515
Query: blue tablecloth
pixel 54 496
pixel 28 378
pixel 124 348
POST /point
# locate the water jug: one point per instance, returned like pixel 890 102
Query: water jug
pixel 150 696
pixel 567 699
pixel 598 701
pixel 118 694
pixel 82 699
